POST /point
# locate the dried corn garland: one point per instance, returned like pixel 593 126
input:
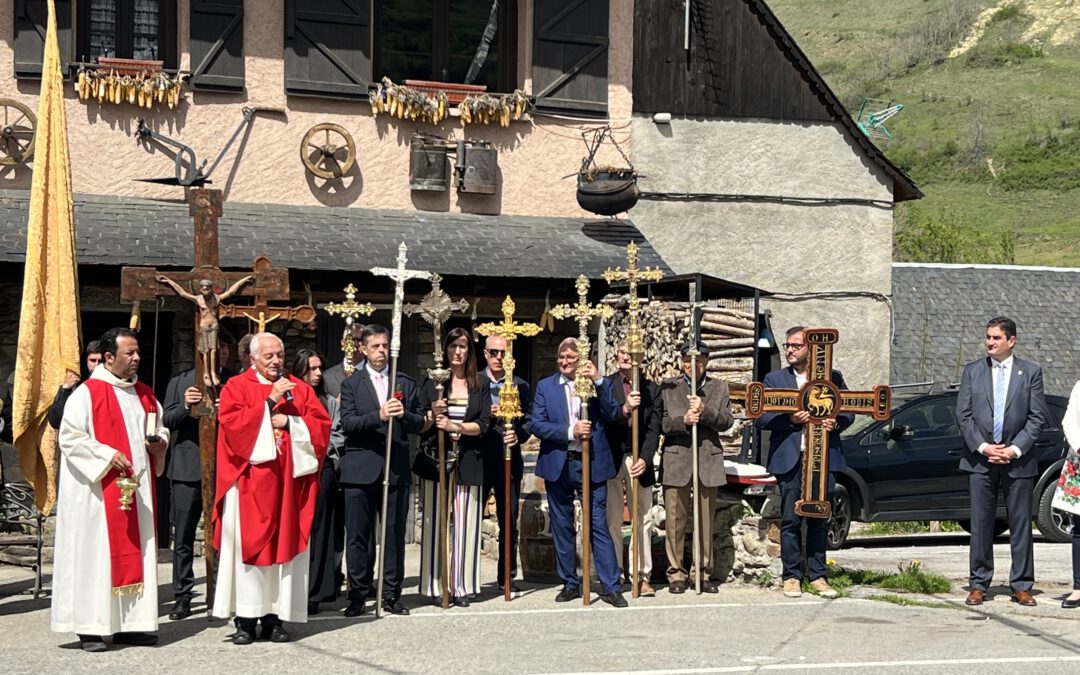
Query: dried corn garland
pixel 490 108
pixel 144 90
pixel 407 103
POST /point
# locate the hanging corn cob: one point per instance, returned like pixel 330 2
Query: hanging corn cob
pixel 144 89
pixel 407 103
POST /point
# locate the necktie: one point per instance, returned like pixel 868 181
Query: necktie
pixel 380 387
pixel 999 401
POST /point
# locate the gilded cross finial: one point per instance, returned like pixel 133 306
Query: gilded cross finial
pixel 350 309
pixel 435 308
pixel 509 401
pixel 635 344
pixel 583 312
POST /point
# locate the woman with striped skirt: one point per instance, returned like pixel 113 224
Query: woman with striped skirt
pixel 464 414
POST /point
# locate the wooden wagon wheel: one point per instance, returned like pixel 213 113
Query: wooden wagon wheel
pixel 17 128
pixel 328 150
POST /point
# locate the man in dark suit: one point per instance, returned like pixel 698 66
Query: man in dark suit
pixel 1001 410
pixel 369 404
pixel 786 447
pixel 185 477
pixel 492 444
pixel 557 422
pixel 334 376
pixel 620 438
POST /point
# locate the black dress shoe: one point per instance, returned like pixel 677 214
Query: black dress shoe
pixel 568 593
pixel 181 609
pixel 136 639
pixel 615 599
pixel 515 590
pixel 462 601
pixel 355 608
pixel 396 607
pixel 312 608
pixel 1070 604
pixel 708 587
pixel 677 587
pixel 274 633
pixel 243 636
pixel 92 643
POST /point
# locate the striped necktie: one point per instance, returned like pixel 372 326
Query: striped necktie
pixel 999 401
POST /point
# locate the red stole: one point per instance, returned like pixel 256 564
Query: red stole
pixel 110 428
pixel 276 509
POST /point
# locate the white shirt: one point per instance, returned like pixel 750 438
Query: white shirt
pixel 380 379
pixel 999 369
pixel 1071 422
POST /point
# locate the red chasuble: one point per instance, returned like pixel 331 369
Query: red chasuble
pixel 276 509
pixel 110 428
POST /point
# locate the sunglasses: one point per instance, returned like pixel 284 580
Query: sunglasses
pixel 496 352
pixel 793 345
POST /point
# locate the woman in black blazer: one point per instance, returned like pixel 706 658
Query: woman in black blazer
pixel 463 412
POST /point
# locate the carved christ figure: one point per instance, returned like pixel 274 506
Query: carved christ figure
pixel 207 303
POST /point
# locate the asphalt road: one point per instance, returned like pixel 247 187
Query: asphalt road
pixel 743 629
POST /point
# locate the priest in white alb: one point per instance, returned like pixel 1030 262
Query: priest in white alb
pixel 272 438
pixel 105 558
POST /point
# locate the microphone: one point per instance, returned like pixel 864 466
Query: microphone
pixel 288 395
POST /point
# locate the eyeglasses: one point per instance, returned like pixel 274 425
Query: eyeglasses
pixel 496 352
pixel 793 346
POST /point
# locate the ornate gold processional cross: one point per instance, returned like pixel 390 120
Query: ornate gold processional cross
pixel 351 310
pixel 823 400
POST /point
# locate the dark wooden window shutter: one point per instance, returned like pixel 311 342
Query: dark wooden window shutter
pixel 217 44
pixel 570 55
pixel 29 44
pixel 328 48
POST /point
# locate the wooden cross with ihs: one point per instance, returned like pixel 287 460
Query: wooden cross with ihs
pixel 823 400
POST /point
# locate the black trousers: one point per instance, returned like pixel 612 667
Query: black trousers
pixel 323 577
pixel 1076 551
pixel 362 505
pixel 494 481
pixel 791 542
pixel 985 488
pixel 186 511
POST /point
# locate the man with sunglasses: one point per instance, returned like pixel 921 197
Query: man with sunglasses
pixel 333 377
pixel 492 444
pixel 786 447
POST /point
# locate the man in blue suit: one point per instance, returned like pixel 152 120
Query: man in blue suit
pixel 1001 411
pixel 556 422
pixel 369 405
pixel 786 447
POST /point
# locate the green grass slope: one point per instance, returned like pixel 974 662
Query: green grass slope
pixel 991 126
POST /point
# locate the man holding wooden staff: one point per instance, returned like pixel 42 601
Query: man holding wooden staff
pixel 709 409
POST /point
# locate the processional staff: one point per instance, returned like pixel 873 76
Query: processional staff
pixel 351 310
pixel 435 308
pixel 695 337
pixel 635 346
pixel 399 275
pixel 584 389
pixel 509 409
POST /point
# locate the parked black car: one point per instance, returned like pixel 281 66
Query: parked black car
pixel 907 468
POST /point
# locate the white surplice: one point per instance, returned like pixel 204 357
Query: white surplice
pixel 253 591
pixel 82 598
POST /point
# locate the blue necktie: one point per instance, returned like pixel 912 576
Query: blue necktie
pixel 999 402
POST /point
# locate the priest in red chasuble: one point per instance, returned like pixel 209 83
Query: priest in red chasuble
pixel 105 569
pixel 272 439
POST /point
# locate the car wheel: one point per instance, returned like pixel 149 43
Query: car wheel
pixel 1053 524
pixel 1000 526
pixel 840 519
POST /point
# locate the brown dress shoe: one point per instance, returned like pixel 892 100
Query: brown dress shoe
pixel 645 590
pixel 1024 598
pixel 975 597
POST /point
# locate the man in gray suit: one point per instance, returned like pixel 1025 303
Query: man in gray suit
pixel 1001 410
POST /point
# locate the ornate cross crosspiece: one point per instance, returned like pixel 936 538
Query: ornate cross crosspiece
pixel 823 400
pixel 509 401
pixel 583 313
pixel 260 311
pixel 351 310
pixel 635 346
pixel 399 275
pixel 435 308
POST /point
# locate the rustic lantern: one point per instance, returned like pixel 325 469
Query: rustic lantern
pixel 477 167
pixel 427 163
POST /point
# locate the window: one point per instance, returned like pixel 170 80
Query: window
pixel 130 29
pixel 456 41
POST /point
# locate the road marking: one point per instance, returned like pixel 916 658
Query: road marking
pixel 834 666
pixel 598 605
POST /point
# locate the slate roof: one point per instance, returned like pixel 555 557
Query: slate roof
pixel 131 231
pixel 940 312
pixel 904 188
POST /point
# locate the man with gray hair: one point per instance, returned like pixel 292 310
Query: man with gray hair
pixel 272 440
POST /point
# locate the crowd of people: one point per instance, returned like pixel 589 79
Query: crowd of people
pixel 301 453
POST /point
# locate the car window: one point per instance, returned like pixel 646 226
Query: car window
pixel 930 419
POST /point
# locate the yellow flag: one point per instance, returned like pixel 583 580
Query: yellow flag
pixel 49 316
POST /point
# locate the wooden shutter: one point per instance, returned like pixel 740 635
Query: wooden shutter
pixel 217 44
pixel 328 48
pixel 29 43
pixel 570 54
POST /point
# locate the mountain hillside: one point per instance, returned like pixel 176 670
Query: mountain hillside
pixel 989 129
